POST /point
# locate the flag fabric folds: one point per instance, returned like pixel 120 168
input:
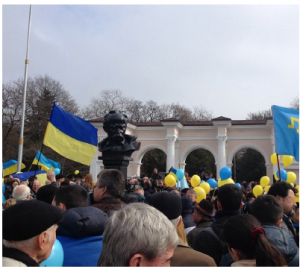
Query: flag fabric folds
pixel 71 136
pixel 45 163
pixel 11 167
pixel 24 176
pixel 286 130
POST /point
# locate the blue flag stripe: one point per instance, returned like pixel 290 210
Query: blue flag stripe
pixel 73 126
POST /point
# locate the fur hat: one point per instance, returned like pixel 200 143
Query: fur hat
pixel 27 219
pixel 167 203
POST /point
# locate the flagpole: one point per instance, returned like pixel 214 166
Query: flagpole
pixel 21 140
pixel 278 166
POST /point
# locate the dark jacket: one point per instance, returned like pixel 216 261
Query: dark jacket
pixel 193 234
pixel 80 234
pixel 287 224
pixel 186 212
pixel 185 256
pixel 109 204
pixel 206 242
pixel 285 243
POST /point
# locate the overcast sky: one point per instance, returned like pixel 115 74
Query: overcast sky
pixel 232 59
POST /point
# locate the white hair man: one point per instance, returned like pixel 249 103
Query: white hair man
pixel 138 235
pixel 21 193
pixel 29 232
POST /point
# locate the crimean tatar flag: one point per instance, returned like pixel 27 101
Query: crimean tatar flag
pixel 286 130
pixel 11 167
pixel 71 136
pixel 45 163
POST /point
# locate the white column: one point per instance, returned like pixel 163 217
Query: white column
pixel 275 168
pixel 93 167
pixel 171 151
pixel 221 152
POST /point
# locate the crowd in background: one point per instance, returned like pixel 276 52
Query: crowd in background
pixel 142 222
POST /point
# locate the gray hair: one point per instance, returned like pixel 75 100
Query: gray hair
pixel 148 230
pixel 28 243
pixel 21 192
pixel 114 180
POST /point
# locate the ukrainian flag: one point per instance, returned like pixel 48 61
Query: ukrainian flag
pixel 11 167
pixel 286 130
pixel 71 136
pixel 45 163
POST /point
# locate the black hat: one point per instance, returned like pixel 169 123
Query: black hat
pixel 27 219
pixel 46 193
pixel 59 176
pixel 205 208
pixel 168 203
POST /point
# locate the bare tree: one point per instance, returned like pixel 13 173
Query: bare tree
pixel 201 114
pixel 260 115
pixel 295 103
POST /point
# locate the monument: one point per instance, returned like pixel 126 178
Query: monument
pixel 118 147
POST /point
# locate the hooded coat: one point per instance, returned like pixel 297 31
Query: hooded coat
pixel 80 234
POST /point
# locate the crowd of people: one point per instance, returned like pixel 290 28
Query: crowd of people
pixel 142 222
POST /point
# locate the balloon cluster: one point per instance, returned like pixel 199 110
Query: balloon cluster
pixel 225 174
pixel 173 176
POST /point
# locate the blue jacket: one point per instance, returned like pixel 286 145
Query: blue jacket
pixel 80 234
pixel 285 243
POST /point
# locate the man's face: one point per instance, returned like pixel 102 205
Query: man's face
pixel 36 185
pixel 116 132
pixel 160 261
pixel 155 171
pixel 196 216
pixel 289 203
pixel 192 196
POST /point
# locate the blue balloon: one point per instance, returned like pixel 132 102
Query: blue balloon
pixel 56 257
pixel 225 173
pixel 238 184
pixel 56 171
pixel 212 182
pixel 283 174
pixel 180 174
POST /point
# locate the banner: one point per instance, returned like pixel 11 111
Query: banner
pixel 11 167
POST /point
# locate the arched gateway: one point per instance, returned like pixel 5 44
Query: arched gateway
pixel 221 136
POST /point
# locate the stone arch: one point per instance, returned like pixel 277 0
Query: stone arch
pixel 144 150
pixel 191 148
pixel 252 146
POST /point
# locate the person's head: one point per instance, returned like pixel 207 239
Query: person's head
pixel 147 182
pixel 229 197
pixel 152 244
pixel 36 185
pixel 30 226
pixel 267 209
pixel 246 239
pixel 70 196
pixel 285 194
pixel 295 218
pixel 21 192
pixel 192 194
pixel 89 181
pixel 8 203
pixel 161 183
pixel 46 193
pixel 115 125
pixel 203 211
pixel 155 170
pixel 47 182
pixel 133 181
pixel 78 181
pixel 110 183
pixel 139 189
pixel 59 178
pixel 30 181
pixel 13 183
pixel 250 197
pixel 66 182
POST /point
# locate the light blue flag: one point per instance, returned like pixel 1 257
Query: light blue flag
pixel 286 129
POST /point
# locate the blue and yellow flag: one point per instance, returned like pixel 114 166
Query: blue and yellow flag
pixel 24 176
pixel 11 167
pixel 286 129
pixel 45 163
pixel 71 136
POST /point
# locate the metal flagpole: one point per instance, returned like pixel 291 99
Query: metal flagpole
pixel 21 140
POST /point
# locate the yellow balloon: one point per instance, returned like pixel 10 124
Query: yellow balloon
pixel 292 184
pixel 205 186
pixel 264 181
pixel 195 181
pixel 76 172
pixel 291 177
pixel 273 158
pixel 200 194
pixel 266 189
pixel 224 182
pixel 287 160
pixel 170 181
pixel 297 199
pixel 258 190
pixel 276 177
pixel 297 187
